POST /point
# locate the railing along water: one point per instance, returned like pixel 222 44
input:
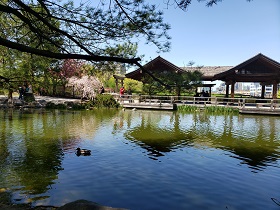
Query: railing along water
pixel 239 103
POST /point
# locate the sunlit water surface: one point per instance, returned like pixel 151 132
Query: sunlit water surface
pixel 141 159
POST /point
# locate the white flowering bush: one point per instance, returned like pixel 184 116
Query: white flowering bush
pixel 87 86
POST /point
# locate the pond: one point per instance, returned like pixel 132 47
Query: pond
pixel 141 159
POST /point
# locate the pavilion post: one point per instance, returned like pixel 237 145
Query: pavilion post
pixel 227 90
pixel 232 89
pixel 228 83
pixel 263 91
pixel 274 90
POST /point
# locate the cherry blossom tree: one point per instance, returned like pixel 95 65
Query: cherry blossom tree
pixel 87 86
pixel 62 71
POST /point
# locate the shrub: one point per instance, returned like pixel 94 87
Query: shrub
pixel 29 97
pixel 105 101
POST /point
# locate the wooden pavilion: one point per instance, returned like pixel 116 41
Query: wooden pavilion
pixel 259 68
pixel 157 65
pixel 161 66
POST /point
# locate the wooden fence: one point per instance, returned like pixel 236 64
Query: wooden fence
pixel 200 101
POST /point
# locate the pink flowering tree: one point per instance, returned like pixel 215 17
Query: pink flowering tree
pixel 62 71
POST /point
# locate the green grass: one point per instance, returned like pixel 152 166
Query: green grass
pixel 209 109
pixel 187 108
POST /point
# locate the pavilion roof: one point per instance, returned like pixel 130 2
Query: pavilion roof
pixel 259 68
pixel 208 71
pixel 158 63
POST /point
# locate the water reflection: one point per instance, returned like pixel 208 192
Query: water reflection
pixel 253 140
pixel 158 139
pixel 33 143
pixel 37 154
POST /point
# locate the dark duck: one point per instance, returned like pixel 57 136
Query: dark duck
pixel 84 152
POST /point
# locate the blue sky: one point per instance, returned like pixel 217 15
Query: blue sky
pixel 223 35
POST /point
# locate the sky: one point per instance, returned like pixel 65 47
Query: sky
pixel 226 34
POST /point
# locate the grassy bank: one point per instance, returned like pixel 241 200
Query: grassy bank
pixel 209 109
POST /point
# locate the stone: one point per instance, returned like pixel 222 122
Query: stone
pixel 86 205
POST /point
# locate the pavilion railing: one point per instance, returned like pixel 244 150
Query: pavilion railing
pixel 201 101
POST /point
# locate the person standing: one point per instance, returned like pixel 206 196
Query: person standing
pixel 21 92
pixel 101 91
pixel 122 90
pixel 129 92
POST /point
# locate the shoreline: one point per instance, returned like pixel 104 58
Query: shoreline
pixel 40 102
pixel 75 205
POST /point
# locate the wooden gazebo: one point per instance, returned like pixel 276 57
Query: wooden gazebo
pixel 259 68
pixel 157 65
pixel 161 66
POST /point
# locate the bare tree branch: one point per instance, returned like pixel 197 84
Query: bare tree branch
pixel 151 75
pixel 49 54
pixel 52 27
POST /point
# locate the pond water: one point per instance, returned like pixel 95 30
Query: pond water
pixel 141 159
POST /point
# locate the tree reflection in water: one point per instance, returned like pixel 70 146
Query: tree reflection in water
pixel 253 140
pixel 33 143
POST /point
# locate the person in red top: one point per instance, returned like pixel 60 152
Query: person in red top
pixel 122 92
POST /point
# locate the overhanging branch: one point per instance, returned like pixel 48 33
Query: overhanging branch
pixel 49 54
pixel 151 75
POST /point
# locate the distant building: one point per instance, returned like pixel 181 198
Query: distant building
pixel 256 90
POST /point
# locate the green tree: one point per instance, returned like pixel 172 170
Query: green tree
pixel 106 69
pixel 7 70
pixel 177 82
pixel 153 87
pixel 19 67
pixel 134 85
pixel 85 28
pixel 87 31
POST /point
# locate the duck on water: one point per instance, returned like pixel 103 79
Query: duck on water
pixel 84 152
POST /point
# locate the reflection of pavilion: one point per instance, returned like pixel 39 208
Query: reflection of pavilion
pixel 255 157
pixel 257 153
pixel 158 141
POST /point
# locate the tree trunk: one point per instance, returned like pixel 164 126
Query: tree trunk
pixel 178 91
pixel 10 96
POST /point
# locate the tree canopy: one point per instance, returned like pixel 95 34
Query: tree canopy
pixel 85 30
pixel 80 31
